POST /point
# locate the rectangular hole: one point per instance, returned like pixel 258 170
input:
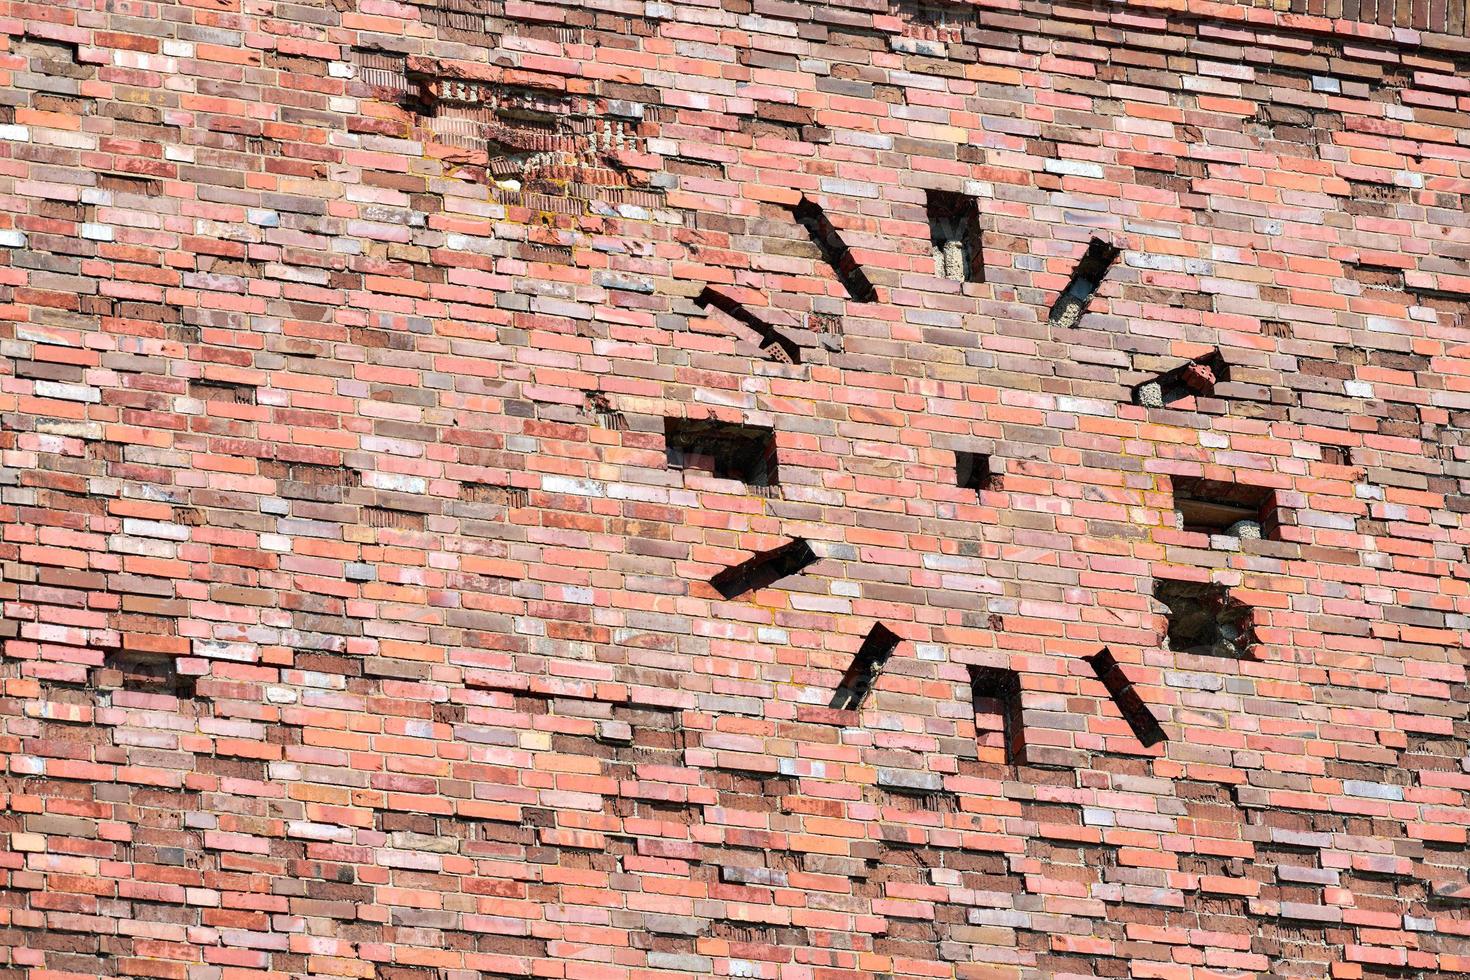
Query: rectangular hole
pixel 954 236
pixel 996 695
pixel 1139 718
pixel 725 450
pixel 1216 507
pixel 764 569
pixel 867 663
pixel 1088 276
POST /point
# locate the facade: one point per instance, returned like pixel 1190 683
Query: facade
pixel 735 488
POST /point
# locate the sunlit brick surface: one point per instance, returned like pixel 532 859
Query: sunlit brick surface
pixel 611 489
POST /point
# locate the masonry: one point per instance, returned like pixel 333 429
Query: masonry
pixel 738 488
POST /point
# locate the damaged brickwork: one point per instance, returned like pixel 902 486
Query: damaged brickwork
pixel 736 488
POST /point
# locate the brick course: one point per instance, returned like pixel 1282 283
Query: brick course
pixel 377 600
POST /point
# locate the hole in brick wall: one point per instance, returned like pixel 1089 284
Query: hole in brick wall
pixel 972 471
pixel 144 672
pixel 996 695
pixel 834 250
pixel 1086 279
pixel 222 391
pixel 492 493
pixel 1216 507
pixel 388 517
pixel 1204 619
pixel 866 664
pixel 764 569
pixel 1335 455
pixel 1277 329
pixel 954 236
pixel 1195 378
pixel 725 450
pixel 1145 726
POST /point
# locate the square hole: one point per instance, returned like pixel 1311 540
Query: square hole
pixel 1205 620
pixel 972 471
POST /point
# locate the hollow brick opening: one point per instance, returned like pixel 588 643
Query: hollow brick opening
pixel 954 236
pixel 973 472
pixel 725 450
pixel 996 696
pixel 867 663
pixel 1233 509
pixel 1086 278
pixel 1204 619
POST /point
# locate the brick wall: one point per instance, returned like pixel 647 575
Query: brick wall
pixel 733 488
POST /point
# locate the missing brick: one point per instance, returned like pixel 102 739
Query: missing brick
pixel 1233 509
pixel 996 695
pixel 460 20
pixel 1137 714
pixel 834 250
pixel 603 412
pixel 392 518
pixel 320 475
pixel 1067 311
pixel 764 569
pixel 972 471
pixel 386 72
pixel 130 185
pixel 222 391
pixel 724 450
pixel 954 236
pixel 143 672
pixel 1196 378
pixel 867 663
pixel 497 494
pixel 52 59
pixel 1202 618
